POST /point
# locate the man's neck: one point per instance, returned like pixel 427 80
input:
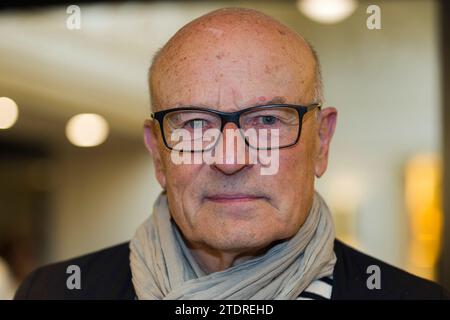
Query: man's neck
pixel 211 260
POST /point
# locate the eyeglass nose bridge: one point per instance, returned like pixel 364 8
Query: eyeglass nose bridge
pixel 232 117
pixel 229 117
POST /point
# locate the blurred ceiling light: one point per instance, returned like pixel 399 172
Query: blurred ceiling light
pixel 87 130
pixel 327 11
pixel 8 113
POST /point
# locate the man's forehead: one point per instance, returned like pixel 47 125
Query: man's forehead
pixel 234 91
pixel 239 79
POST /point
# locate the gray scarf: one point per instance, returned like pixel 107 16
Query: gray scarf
pixel 163 267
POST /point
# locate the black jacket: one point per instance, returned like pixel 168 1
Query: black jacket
pixel 106 274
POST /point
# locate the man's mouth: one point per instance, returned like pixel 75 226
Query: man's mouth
pixel 233 198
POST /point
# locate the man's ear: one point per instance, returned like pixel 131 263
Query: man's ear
pixel 151 142
pixel 327 124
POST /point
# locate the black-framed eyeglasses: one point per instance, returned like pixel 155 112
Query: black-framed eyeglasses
pixel 263 127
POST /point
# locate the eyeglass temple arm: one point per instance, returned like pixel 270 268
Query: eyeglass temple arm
pixel 317 105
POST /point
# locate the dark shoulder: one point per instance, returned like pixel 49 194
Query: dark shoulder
pixel 104 274
pixel 354 268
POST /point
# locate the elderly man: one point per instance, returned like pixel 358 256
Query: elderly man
pixel 223 229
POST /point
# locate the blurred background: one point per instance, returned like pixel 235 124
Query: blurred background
pixel 75 175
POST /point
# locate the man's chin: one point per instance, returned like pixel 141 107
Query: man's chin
pixel 245 210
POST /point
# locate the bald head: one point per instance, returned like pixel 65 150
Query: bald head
pixel 237 40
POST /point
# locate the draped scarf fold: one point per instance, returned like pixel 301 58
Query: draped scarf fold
pixel 163 267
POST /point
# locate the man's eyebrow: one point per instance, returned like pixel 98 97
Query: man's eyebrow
pixel 276 100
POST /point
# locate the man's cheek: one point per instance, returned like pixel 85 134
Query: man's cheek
pixel 182 176
pixel 294 171
pixel 290 162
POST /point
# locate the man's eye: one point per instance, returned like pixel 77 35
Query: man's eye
pixel 267 120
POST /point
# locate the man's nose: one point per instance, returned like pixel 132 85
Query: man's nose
pixel 235 152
